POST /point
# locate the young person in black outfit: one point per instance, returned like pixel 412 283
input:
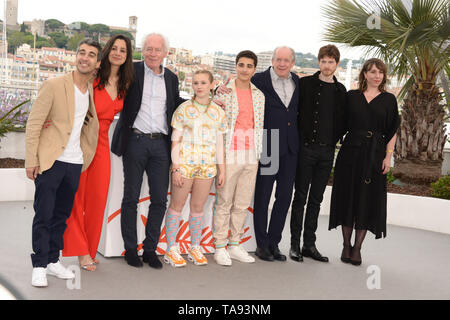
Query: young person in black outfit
pixel 322 100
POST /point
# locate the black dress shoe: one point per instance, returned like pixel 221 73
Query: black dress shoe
pixel 355 258
pixel 296 254
pixel 151 258
pixel 131 257
pixel 277 255
pixel 345 255
pixel 313 253
pixel 264 254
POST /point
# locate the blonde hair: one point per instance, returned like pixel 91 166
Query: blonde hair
pixel 210 76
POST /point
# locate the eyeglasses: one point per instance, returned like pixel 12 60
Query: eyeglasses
pixel 151 50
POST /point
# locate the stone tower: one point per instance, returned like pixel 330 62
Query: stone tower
pixel 12 7
pixel 132 26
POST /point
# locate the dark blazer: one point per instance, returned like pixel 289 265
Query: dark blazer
pixel 309 97
pixel 132 105
pixel 277 116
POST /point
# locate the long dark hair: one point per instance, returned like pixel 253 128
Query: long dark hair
pixel 380 65
pixel 126 73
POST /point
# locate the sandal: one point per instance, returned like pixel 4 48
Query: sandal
pixel 89 266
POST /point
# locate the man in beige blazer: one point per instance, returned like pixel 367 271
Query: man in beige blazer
pixel 61 139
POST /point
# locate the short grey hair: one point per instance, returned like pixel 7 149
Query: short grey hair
pixel 283 47
pixel 165 40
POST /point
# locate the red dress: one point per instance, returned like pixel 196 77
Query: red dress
pixel 84 226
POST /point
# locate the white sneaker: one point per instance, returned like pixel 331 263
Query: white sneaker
pixel 39 277
pixel 222 257
pixel 239 253
pixel 59 271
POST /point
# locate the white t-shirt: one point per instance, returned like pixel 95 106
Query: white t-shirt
pixel 72 152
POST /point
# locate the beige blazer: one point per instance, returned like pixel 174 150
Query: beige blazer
pixel 50 124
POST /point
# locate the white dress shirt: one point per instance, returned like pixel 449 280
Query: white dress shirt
pixel 152 116
pixel 283 87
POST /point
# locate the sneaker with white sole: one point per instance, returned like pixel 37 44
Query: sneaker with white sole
pixel 239 253
pixel 59 271
pixel 174 258
pixel 39 278
pixel 222 257
pixel 196 256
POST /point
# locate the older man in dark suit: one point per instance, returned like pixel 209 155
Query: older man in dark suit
pixel 281 89
pixel 142 137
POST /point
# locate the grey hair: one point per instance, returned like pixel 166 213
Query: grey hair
pixel 165 40
pixel 282 47
pixel 91 43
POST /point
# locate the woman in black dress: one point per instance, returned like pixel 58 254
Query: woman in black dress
pixel 358 199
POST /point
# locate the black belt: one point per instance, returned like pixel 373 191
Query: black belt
pixel 156 135
pixel 370 138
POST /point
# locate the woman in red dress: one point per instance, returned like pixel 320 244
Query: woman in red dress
pixel 84 225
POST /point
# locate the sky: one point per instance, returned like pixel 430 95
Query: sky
pixel 204 26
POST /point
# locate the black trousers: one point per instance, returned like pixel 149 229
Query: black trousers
pixel 313 171
pixel 284 178
pixel 53 201
pixel 151 156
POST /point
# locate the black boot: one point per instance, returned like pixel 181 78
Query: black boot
pixel 132 258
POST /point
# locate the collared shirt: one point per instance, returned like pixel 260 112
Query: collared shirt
pixel 152 116
pixel 283 87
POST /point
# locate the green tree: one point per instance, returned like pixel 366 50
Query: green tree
pixel 44 42
pixel 412 37
pixel 59 38
pixel 17 38
pixel 95 29
pixel 137 55
pixel 53 24
pixel 83 25
pixel 23 27
pixel 181 76
pixel 125 33
pixel 72 44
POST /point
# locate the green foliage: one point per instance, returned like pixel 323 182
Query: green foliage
pixel 17 38
pixel 59 38
pixel 390 177
pixel 414 43
pixel 307 60
pixel 98 28
pixel 181 76
pixel 9 120
pixel 43 42
pixel 125 33
pixel 137 55
pixel 72 43
pixel 53 24
pixel 83 25
pixel 441 188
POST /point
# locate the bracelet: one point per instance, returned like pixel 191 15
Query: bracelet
pixel 389 151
